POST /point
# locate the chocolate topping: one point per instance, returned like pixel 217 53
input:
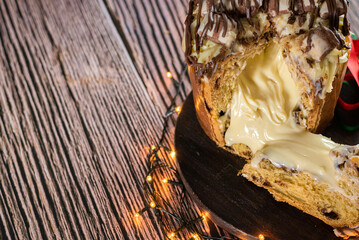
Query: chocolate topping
pixel 278 7
pixel 220 22
pixel 320 42
pixel 332 9
pixel 224 32
pixel 308 5
pixel 188 34
pixel 340 6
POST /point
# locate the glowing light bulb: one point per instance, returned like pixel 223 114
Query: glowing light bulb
pixel 152 204
pixel 153 147
pixel 173 154
pixel 195 236
pixel 178 109
pixel 204 215
pixel 165 180
pixel 171 235
pixel 149 178
pixel 137 215
pixel 261 237
pixel 169 75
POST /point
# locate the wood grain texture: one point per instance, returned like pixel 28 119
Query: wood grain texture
pixel 153 31
pixel 75 124
pixel 353 15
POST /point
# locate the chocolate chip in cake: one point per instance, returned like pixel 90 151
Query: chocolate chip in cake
pixel 280 183
pixel 207 107
pixel 341 166
pixel 330 214
pixel 310 62
pixel 318 86
pixel 267 184
pixel 216 85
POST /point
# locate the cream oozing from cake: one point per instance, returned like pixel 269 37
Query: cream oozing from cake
pixel 261 116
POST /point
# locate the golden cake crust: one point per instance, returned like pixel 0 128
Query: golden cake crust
pixel 203 112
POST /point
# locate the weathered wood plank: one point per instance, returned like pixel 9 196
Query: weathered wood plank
pixel 153 32
pixel 75 121
pixel 353 15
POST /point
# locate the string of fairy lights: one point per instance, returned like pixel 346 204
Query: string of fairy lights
pixel 157 203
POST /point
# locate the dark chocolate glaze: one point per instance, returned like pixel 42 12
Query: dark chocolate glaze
pixel 222 12
pixel 332 39
pixel 312 11
pixel 335 11
pixel 188 34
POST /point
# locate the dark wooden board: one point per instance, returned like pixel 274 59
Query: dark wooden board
pixel 210 175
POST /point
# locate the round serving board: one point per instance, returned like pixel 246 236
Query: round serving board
pixel 209 174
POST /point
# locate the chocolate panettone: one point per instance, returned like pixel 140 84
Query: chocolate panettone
pixel 266 76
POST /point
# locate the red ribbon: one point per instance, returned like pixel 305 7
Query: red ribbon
pixel 347 106
pixel 353 63
pixel 344 105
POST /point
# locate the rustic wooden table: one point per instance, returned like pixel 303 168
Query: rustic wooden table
pixel 83 89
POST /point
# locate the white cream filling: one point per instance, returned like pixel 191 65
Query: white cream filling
pixel 261 116
pixel 327 68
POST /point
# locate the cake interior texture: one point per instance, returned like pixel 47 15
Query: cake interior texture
pixel 260 113
pixel 257 98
